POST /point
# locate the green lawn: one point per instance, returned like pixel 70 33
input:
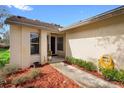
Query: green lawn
pixel 4 56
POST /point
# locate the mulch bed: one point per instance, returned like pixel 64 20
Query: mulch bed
pixel 49 78
pixel 96 74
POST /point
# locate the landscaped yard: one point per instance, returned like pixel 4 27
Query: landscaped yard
pixel 4 56
pixel 42 77
pixel 48 77
pixel 112 75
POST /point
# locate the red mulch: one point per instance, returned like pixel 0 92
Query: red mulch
pixel 96 74
pixel 50 78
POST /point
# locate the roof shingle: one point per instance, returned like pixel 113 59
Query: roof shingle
pixel 30 22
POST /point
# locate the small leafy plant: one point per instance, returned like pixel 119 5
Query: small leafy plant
pixel 113 74
pixel 120 76
pixel 49 53
pixel 3 62
pixel 4 57
pixel 10 69
pixel 109 74
pixel 2 80
pixel 82 63
pixel 26 77
pixel 21 79
pixel 34 73
pixel 90 66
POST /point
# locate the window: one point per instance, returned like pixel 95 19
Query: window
pixel 60 43
pixel 34 39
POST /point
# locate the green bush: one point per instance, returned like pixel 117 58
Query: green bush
pixel 10 69
pixel 2 63
pixel 49 53
pixel 71 60
pixel 26 77
pixel 34 73
pixel 82 63
pixel 67 59
pixel 78 61
pixel 2 80
pixel 109 73
pixel 20 79
pixel 90 66
pixel 113 75
pixel 4 57
pixel 120 76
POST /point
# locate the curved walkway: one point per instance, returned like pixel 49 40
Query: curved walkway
pixel 82 78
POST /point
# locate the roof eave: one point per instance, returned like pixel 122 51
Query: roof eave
pixel 97 18
pixel 36 26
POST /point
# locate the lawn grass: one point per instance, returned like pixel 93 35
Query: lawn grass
pixel 4 56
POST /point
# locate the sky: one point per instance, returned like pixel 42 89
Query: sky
pixel 62 15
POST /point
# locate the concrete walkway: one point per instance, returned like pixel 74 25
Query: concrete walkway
pixel 82 78
pixel 57 59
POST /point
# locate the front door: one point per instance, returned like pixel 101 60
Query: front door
pixel 53 45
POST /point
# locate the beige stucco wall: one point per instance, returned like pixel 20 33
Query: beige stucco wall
pixel 91 41
pixel 43 46
pixel 26 46
pixel 15 45
pixel 20 46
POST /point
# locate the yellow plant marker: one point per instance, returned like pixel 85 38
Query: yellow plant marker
pixel 106 62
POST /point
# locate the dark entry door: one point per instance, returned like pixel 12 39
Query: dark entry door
pixel 53 45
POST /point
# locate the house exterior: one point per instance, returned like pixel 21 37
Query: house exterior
pixel 30 40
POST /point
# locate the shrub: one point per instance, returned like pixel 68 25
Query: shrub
pixel 67 59
pixel 10 69
pixel 82 63
pixel 20 79
pixel 109 73
pixel 2 80
pixel 78 62
pixel 2 63
pixel 49 53
pixel 4 57
pixel 120 76
pixel 90 66
pixel 26 77
pixel 71 60
pixel 34 73
pixel 114 74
